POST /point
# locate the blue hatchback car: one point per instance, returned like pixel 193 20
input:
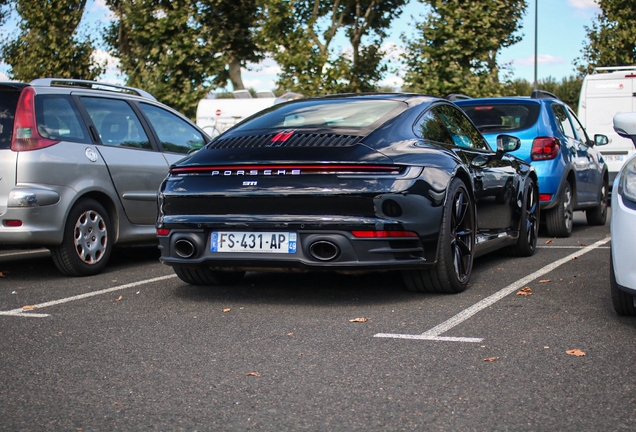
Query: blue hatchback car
pixel 572 173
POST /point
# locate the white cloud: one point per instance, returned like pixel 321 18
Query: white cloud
pixel 3 77
pixel 543 59
pixel 583 4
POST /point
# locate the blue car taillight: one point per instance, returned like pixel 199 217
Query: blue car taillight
pixel 545 148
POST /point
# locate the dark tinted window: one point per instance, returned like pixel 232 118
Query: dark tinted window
pixel 580 131
pixel 175 134
pixel 116 123
pixel 8 104
pixel 493 118
pixel 446 124
pixel 59 119
pixel 563 121
pixel 324 113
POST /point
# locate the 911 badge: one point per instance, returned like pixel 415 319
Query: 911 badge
pixel 250 183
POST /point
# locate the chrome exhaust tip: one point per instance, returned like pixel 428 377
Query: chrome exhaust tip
pixel 184 248
pixel 323 250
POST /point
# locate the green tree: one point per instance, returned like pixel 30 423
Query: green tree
pixel 232 25
pixel 163 49
pixel 457 45
pixel 612 37
pixel 568 89
pixel 300 35
pixel 47 45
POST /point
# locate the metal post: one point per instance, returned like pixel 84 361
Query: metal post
pixel 536 38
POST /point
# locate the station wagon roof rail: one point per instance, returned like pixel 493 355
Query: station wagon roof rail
pixel 94 85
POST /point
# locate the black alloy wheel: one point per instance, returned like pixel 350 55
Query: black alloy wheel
pixel 529 223
pixel 457 241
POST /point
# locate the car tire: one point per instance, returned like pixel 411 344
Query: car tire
pixel 623 302
pixel 529 222
pixel 87 240
pixel 457 240
pixel 598 214
pixel 559 219
pixel 207 276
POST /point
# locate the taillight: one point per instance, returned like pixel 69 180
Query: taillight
pixel 545 148
pixel 383 234
pixel 25 132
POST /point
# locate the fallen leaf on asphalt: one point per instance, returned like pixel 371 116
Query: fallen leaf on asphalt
pixel 119 298
pixel 500 268
pixel 525 292
pixel 545 280
pixel 256 374
pixel 227 310
pixel 29 307
pixel 290 334
pixel 359 320
pixel 575 258
pixel 575 352
pixel 491 359
pixel 2 274
pixel 582 244
pixel 548 241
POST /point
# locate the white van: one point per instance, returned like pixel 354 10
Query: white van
pixel 606 92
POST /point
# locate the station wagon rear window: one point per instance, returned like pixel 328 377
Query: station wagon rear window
pixel 324 114
pixel 59 119
pixel 496 118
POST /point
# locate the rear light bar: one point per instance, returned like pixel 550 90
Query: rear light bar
pixel 383 234
pixel 25 132
pixel 545 148
pixel 274 170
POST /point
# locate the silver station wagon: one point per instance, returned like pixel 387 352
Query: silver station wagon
pixel 80 166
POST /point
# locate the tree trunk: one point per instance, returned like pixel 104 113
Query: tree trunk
pixel 235 74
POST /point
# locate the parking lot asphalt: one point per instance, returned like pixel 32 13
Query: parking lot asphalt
pixel 533 344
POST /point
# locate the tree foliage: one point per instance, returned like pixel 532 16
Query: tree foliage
pixel 568 89
pixel 47 45
pixel 457 45
pixel 163 49
pixel 300 35
pixel 612 37
pixel 232 24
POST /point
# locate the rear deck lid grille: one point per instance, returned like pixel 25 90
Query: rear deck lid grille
pixel 286 140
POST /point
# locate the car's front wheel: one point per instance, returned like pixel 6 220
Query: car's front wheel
pixel 598 214
pixel 529 223
pixel 457 241
pixel 87 241
pixel 207 276
pixel 623 302
pixel 559 220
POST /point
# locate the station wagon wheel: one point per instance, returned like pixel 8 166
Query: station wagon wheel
pixel 529 222
pixel 87 244
pixel 207 276
pixel 559 219
pixel 457 241
pixel 598 214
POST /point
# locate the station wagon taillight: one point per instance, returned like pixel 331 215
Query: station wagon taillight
pixel 25 132
pixel 545 148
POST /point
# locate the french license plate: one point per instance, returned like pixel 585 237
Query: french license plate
pixel 614 158
pixel 253 241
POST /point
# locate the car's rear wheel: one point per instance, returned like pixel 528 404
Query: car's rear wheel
pixel 559 219
pixel 529 223
pixel 598 214
pixel 87 242
pixel 622 301
pixel 457 241
pixel 207 276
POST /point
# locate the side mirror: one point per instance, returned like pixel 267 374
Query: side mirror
pixel 625 125
pixel 600 139
pixel 507 143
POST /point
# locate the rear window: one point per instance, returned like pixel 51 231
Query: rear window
pixel 323 113
pixel 495 118
pixel 8 104
pixel 58 119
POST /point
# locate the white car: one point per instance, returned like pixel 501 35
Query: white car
pixel 623 225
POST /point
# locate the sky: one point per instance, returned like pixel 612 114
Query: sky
pixel 561 37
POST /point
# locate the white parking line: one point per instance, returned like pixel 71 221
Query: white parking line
pixel 435 332
pixel 27 313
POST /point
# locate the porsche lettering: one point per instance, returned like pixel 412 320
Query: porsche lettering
pixel 256 172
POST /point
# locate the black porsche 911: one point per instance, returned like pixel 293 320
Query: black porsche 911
pixel 367 182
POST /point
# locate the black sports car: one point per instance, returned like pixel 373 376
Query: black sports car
pixel 368 182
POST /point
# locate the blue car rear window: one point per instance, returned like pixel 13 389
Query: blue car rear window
pixel 493 118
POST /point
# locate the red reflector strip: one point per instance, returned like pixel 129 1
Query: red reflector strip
pixel 282 136
pixel 163 231
pixel 383 234
pixel 545 197
pixel 276 169
pixel 483 108
pixel 13 223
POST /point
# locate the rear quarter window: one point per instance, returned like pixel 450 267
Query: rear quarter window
pixel 8 104
pixel 58 119
pixel 495 118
